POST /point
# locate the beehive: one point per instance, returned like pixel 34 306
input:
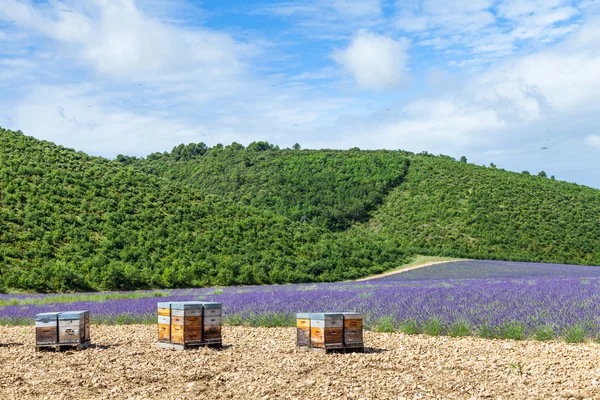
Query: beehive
pixel 212 322
pixel 73 327
pixel 327 330
pixel 186 322
pixel 303 329
pixel 353 329
pixel 164 322
pixel 46 328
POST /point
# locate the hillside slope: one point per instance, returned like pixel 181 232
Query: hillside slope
pixel 69 221
pixel 329 188
pixel 229 215
pixel 451 208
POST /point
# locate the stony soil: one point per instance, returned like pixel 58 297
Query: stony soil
pixel 262 363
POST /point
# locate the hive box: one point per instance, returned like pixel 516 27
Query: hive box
pixel 46 328
pixel 73 327
pixel 212 322
pixel 164 321
pixel 303 329
pixel 186 322
pixel 327 330
pixel 353 329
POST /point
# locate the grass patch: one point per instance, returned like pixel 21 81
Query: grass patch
pixel 409 327
pixel 16 321
pixel 268 320
pixel 384 324
pixel 76 298
pixel 460 329
pixel 124 319
pixel 433 326
pixel 574 334
pixel 486 332
pixel 512 330
pixel 543 333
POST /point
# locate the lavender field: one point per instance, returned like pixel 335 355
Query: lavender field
pixel 484 298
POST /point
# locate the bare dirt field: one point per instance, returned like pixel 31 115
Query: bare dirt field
pixel 262 363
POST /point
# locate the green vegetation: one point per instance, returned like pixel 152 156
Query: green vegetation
pixel 69 222
pixel 228 215
pixel 328 188
pixel 455 209
pixel 74 298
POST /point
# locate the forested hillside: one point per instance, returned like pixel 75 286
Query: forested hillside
pixel 69 221
pixel 227 215
pixel 452 208
pixel 329 188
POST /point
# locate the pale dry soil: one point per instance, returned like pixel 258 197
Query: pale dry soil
pixel 409 268
pixel 262 363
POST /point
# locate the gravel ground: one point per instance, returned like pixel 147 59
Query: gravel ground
pixel 262 363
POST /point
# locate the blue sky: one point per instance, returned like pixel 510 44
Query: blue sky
pixel 516 83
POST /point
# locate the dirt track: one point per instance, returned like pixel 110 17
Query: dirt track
pixel 261 363
pixel 412 267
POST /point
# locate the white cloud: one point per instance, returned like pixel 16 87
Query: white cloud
pixel 118 41
pixel 593 141
pixel 328 19
pixel 487 29
pixel 324 8
pixel 375 61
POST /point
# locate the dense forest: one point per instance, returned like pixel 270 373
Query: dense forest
pixel 226 215
pixel 69 221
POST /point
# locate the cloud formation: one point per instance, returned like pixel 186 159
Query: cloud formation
pixel 503 81
pixel 375 61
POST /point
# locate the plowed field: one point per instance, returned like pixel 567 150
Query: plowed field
pixel 262 363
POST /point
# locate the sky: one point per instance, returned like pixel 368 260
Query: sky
pixel 514 83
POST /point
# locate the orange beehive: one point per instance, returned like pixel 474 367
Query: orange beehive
pixel 186 323
pixel 164 322
pixel 327 330
pixel 303 329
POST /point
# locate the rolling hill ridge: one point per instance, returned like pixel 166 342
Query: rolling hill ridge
pixel 226 215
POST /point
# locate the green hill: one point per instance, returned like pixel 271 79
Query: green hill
pixel 328 188
pixel 69 221
pixel 228 215
pixel 451 208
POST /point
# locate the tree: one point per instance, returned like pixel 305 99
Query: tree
pixel 463 159
pixel 525 173
pixel 296 146
pixel 542 174
pixel 492 165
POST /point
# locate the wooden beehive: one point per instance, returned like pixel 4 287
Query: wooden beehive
pixel 46 328
pixel 73 327
pixel 327 330
pixel 353 329
pixel 212 322
pixel 164 322
pixel 303 329
pixel 186 322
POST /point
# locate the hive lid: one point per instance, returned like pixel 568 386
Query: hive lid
pixel 183 305
pixel 163 304
pixel 46 316
pixel 72 314
pixel 353 315
pixel 302 315
pixel 211 304
pixel 318 316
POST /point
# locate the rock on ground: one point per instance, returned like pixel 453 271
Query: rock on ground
pixel 262 363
